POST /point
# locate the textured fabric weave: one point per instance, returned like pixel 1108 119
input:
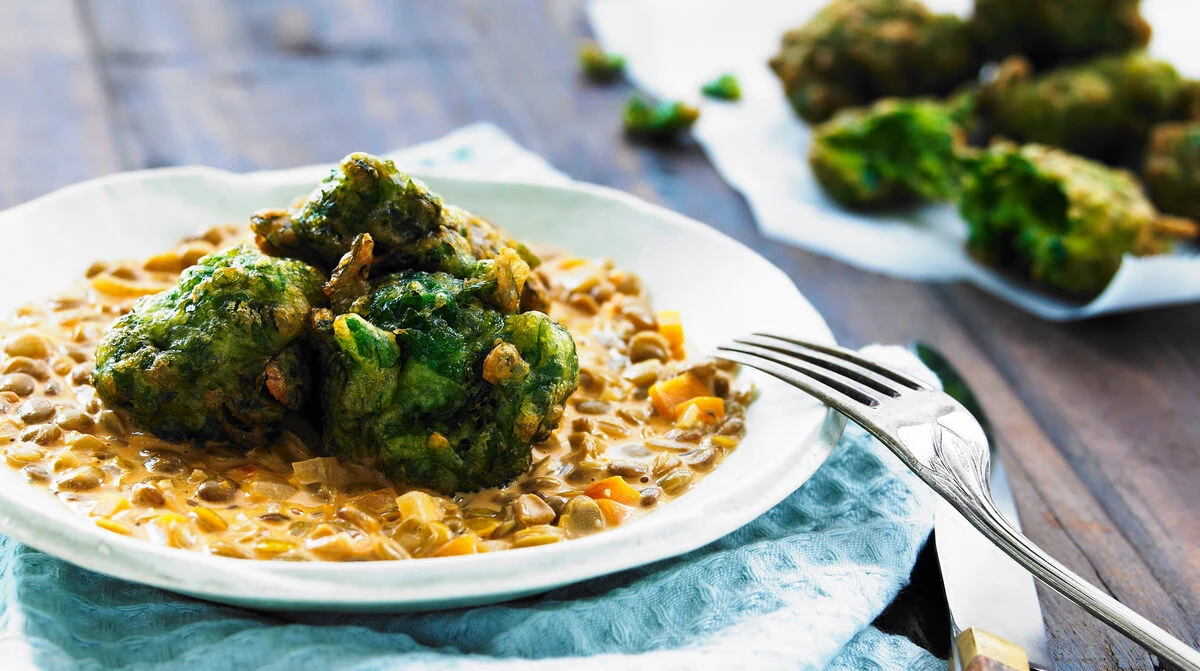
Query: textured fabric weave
pixel 795 589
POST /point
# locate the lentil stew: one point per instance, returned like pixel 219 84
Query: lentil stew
pixel 646 423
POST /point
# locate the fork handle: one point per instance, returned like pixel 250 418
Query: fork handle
pixel 1061 579
pixel 965 488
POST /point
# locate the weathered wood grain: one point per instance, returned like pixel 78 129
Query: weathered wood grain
pixel 1095 419
pixel 53 128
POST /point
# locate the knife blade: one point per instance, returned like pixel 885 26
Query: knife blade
pixel 984 587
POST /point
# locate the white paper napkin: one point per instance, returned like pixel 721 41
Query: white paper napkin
pixel 759 146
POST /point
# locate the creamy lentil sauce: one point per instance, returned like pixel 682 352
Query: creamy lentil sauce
pixel 626 445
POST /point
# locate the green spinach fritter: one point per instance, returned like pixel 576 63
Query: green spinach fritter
pixel 1172 169
pixel 1061 220
pixel 411 226
pixel 421 328
pixel 894 152
pixel 1049 31
pixel 438 389
pixel 1102 108
pixel 856 51
pixel 221 355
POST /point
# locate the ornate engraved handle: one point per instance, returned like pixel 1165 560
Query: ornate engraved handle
pixel 957 469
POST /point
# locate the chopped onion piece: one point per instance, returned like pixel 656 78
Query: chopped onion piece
pixel 271 487
pixel 319 469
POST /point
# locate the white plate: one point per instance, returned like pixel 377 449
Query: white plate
pixel 722 289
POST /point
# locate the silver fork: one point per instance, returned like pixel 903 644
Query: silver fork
pixel 944 445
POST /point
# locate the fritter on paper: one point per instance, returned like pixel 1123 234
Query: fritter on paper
pixel 1061 220
pixel 856 51
pixel 1102 108
pixel 1172 169
pixel 1050 31
pixel 894 152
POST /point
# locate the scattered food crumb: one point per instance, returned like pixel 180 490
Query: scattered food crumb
pixel 725 87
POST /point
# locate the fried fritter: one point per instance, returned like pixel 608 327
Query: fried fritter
pixel 1061 220
pixel 856 51
pixel 1052 31
pixel 894 152
pixel 412 228
pixel 365 194
pixel 1172 169
pixel 438 389
pixel 1102 108
pixel 221 355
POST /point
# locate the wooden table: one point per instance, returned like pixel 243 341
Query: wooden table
pixel 1099 420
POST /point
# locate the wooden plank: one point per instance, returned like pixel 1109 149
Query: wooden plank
pixel 53 121
pixel 1112 396
pixel 250 85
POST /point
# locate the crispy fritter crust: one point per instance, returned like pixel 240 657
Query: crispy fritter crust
pixel 220 356
pixel 1050 32
pixel 1172 169
pixel 1102 108
pixel 894 152
pixel 412 228
pixel 439 389
pixel 856 51
pixel 1061 220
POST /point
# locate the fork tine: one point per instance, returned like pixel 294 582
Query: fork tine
pixel 865 376
pixel 852 356
pixel 822 383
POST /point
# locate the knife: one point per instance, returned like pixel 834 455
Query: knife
pixel 990 596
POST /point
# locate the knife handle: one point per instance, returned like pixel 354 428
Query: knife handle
pixel 981 650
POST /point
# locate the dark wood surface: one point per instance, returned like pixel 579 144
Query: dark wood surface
pixel 1098 420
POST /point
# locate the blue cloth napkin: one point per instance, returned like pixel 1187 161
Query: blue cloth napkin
pixel 796 589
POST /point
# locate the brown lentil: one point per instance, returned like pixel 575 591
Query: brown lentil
pixel 647 345
pixel 35 410
pixel 20 364
pixel 20 384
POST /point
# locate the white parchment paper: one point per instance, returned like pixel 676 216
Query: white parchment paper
pixel 759 146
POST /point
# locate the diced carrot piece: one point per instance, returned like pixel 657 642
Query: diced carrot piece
pixel 671 328
pixel 678 353
pixel 466 544
pixel 668 394
pixel 614 488
pixel 710 408
pixel 725 441
pixel 115 527
pixel 614 513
